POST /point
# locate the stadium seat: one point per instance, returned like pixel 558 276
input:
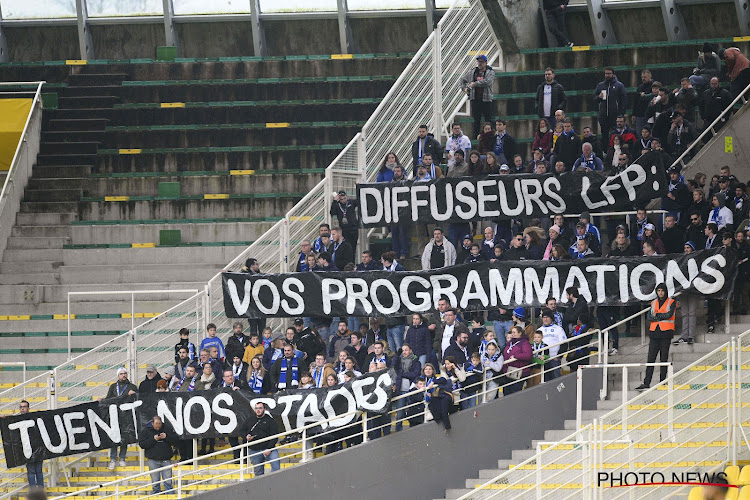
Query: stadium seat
pixel 696 493
pixel 744 493
pixel 744 476
pixel 733 474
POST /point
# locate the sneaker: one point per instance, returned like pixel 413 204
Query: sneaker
pixel 642 387
pixel 112 465
pixel 570 44
pixel 679 341
pixel 613 352
pixel 710 328
pixel 690 341
pixel 121 463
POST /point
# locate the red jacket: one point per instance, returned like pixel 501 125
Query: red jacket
pixel 522 351
pixel 543 141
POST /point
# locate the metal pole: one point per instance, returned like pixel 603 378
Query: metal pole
pixel 539 471
pixel 670 402
pixel 625 400
pixel 364 427
pixel 69 332
pixel 727 310
pixel 643 329
pixel 179 481
pixel 141 460
pixel 579 397
pixel 605 370
pixel 304 446
pixel 437 77
pixel 195 455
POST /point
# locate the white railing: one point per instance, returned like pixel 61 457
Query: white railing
pixel 23 159
pixel 695 427
pixel 303 448
pixel 690 151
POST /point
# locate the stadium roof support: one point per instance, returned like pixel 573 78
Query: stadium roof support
pixel 170 34
pixel 603 31
pixel 85 41
pixel 673 21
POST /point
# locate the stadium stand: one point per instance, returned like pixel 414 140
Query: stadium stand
pixel 135 151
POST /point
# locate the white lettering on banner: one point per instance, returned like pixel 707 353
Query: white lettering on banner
pixel 227 413
pixel 59 448
pixel 424 296
pixel 513 287
pixel 132 407
pixel 240 306
pixel 329 295
pixel 448 203
pixel 705 287
pixel 23 427
pixel 387 205
pixel 532 193
pixel 275 299
pixel 416 201
pixel 351 405
pixel 484 198
pixel 352 295
pixel 576 275
pixel 550 287
pixel 474 290
pixel 286 287
pixel 439 291
pixel 71 431
pixel 366 194
pixel 287 401
pixel 175 419
pixel 112 429
pixel 395 299
pixel 552 187
pixel 601 294
pixel 467 200
pixel 674 273
pixel 624 283
pixel 635 280
pixel 310 403
pixel 397 202
pixel 381 398
pixel 205 421
pixel 504 208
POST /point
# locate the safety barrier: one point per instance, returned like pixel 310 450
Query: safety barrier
pixel 692 421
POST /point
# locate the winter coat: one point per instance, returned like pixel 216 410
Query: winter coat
pixel 411 374
pixel 260 427
pixel 337 343
pixel 482 83
pixel 450 254
pixel 121 389
pixel 543 141
pixel 431 146
pixel 568 149
pixel 236 346
pixel 157 450
pixel 419 338
pixel 557 99
pixel 149 385
pixel 251 352
pixel 714 102
pixel 708 68
pixel 521 350
pixel 614 104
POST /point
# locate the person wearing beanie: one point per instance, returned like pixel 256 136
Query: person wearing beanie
pixel 520 319
pixel 738 70
pixel 121 387
pixel 661 316
pixel 720 214
pixel 464 249
pixel 740 205
pixel 168 375
pixel 707 67
pixel 554 237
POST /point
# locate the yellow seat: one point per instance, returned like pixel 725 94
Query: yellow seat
pixel 732 494
pixel 733 473
pixel 744 478
pixel 744 493
pixel 696 493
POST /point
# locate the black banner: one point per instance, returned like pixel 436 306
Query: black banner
pixel 478 286
pixel 463 199
pixel 204 414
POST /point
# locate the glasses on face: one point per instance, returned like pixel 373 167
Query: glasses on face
pixel 694 220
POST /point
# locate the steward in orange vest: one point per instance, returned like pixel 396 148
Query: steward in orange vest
pixel 661 316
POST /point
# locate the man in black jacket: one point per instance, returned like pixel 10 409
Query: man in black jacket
pixel 257 427
pixel 578 306
pixel 695 232
pixel 425 144
pixel 157 440
pixel 459 349
pixel 555 11
pixel 611 97
pixel 357 350
pixel 673 236
pixel 715 101
pixel 237 342
pixel 341 250
pixel 641 99
pixel 568 145
pixel 149 383
pixel 345 211
pixel 307 342
pixel 550 96
pixel 678 197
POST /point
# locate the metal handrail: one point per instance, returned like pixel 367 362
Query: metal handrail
pixel 710 128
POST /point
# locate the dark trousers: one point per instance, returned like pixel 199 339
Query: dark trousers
pixel 480 108
pixel 236 441
pixel 351 234
pixel 739 84
pixel 657 345
pixel 35 474
pixel 439 408
pixel 210 442
pixel 400 239
pixel 556 25
pixel 606 123
pixel 513 387
pixel 185 446
pixel 381 426
pixel 714 311
pixel 607 316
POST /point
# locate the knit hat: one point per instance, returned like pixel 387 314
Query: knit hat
pixel 585 215
pixel 690 244
pixel 169 370
pixel 121 369
pixel 555 228
pixel 707 47
pixel 720 198
pixel 519 312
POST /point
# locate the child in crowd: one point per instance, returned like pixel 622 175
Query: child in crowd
pixel 492 360
pixel 213 340
pixel 266 340
pixel 539 358
pixel 473 382
pixel 184 342
pixel 489 336
pixel 415 411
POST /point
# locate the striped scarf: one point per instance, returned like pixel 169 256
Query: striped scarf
pixel 191 387
pixel 283 375
pixel 317 375
pixel 256 382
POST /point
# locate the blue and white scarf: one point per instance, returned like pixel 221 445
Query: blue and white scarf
pixel 283 375
pixel 191 387
pixel 317 376
pixel 256 382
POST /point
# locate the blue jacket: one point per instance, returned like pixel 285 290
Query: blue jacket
pixel 419 338
pixel 385 176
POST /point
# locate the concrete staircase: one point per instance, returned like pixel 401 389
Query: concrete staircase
pixel 631 351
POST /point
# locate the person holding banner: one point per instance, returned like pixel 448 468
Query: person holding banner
pixel 259 426
pixel 157 440
pixel 662 318
pixel 122 387
pixel 34 471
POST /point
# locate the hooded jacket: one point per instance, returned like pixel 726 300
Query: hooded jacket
pixel 236 346
pixel 483 84
pixel 431 146
pixel 410 374
pixel 450 254
pixel 721 215
pixel 419 338
pixel 557 98
pixel 337 343
pixel 149 385
pixel 521 350
pixel 653 316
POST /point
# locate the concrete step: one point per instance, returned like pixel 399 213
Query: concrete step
pixel 144 233
pixel 45 183
pixel 45 159
pixel 51 231
pixel 61 325
pixel 89 101
pixel 45 219
pixel 30 279
pixel 31 255
pixel 30 294
pixel 137 273
pixel 85 304
pixel 79 124
pixel 67 148
pixel 49 266
pixel 92 78
pixel 51 195
pixel 48 206
pixel 61 171
pixel 37 242
pixel 74 136
pixel 176 209
pixel 194 185
pixel 186 256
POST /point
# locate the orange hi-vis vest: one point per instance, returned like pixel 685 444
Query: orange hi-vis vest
pixel 666 324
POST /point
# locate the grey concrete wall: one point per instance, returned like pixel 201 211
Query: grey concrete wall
pixel 525 20
pixel 642 25
pixel 223 39
pixel 320 36
pixel 717 20
pixel 422 462
pixel 393 34
pixel 49 43
pixel 579 28
pixel 714 155
pixel 127 41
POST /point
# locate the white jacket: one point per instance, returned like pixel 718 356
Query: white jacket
pixel 450 254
